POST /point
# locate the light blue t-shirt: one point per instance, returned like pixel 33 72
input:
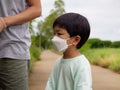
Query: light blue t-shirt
pixel 71 74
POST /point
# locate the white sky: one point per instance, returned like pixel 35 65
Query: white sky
pixel 103 15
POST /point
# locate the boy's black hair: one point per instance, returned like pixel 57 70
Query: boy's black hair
pixel 75 24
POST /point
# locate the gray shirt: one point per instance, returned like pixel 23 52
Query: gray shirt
pixel 14 40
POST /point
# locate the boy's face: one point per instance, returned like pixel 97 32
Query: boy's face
pixel 62 33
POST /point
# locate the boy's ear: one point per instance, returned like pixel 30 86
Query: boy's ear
pixel 76 40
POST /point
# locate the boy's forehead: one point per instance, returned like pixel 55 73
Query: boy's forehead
pixel 58 29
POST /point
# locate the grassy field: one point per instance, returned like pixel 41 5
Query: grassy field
pixel 105 57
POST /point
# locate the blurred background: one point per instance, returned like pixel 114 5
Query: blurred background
pixel 102 49
pixel 104 18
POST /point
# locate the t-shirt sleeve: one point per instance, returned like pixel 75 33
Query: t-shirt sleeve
pixel 82 77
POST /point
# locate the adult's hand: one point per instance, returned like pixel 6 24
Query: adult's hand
pixel 2 24
pixel 1 27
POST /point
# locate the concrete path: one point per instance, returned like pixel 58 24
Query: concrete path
pixel 103 79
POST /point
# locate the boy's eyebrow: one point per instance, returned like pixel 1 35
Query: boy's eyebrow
pixel 57 30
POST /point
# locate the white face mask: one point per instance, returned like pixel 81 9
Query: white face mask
pixel 60 44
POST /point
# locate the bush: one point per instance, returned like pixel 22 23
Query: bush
pixel 116 44
pixel 104 57
pixel 97 43
pixel 35 50
pixel 35 54
pixel 106 43
pixel 115 65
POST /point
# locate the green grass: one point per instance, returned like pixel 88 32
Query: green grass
pixel 105 57
pixel 115 66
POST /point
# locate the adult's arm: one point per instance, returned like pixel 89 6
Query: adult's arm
pixel 33 11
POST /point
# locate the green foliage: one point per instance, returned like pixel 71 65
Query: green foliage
pixel 85 47
pixel 97 43
pixel 116 44
pixel 35 51
pixel 45 27
pixel 35 47
pixel 106 43
pixel 104 57
pixel 115 65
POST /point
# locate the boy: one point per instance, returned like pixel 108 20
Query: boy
pixel 72 71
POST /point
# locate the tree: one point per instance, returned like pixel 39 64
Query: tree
pixel 45 27
pixel 116 44
pixel 97 43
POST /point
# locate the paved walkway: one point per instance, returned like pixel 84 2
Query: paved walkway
pixel 103 79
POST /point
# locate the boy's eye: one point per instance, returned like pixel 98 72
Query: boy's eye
pixel 59 33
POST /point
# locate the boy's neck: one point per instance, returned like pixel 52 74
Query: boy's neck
pixel 71 53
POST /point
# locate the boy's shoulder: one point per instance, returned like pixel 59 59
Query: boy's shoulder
pixel 58 60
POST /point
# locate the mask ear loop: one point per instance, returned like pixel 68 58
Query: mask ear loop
pixel 69 39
